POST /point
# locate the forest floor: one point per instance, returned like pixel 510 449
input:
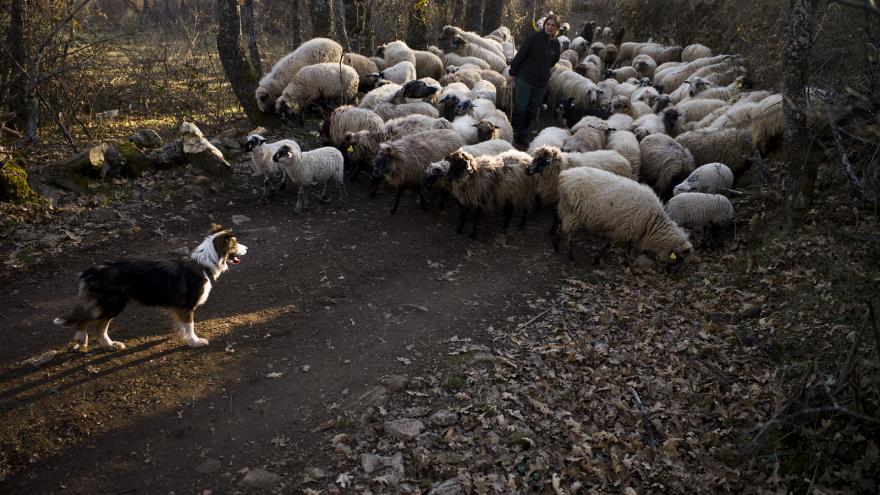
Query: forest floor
pixel 348 336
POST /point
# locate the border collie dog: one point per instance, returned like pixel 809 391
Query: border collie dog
pixel 181 284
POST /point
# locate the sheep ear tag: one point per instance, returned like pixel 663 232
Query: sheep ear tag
pixel 296 107
pixel 672 256
pixel 349 149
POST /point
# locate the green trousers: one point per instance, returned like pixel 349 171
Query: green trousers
pixel 527 100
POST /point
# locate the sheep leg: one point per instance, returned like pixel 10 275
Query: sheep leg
pixel 324 197
pixel 507 214
pixel 343 191
pixel 478 212
pixel 301 199
pixel 397 200
pixel 267 187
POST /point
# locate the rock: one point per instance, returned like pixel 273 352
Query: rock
pixel 14 186
pixel 375 397
pixel 43 358
pixel 444 418
pixel 113 162
pixel 240 219
pixel 194 191
pixel 169 155
pixel 209 466
pixel 428 439
pixel 452 486
pixel 404 428
pixel 146 138
pixel 391 468
pixel 136 162
pixel 315 473
pixel 50 241
pixel 260 479
pixel 202 153
pixel 395 383
pixel 232 132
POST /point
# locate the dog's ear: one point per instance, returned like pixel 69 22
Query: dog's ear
pixel 216 227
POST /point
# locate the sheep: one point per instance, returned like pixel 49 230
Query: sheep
pixel 478 109
pixel 572 114
pixel 501 34
pixel 676 75
pixel 701 212
pixel 579 45
pixel 390 111
pixel 450 32
pixel 622 74
pixel 574 85
pixel 410 124
pixel 494 126
pixel 382 94
pixel 466 127
pixel 726 92
pixel 465 48
pixel 549 161
pixel 552 136
pixel 398 73
pixel 570 55
pixel 428 64
pixel 261 161
pixel 750 96
pixel 402 162
pixel 483 89
pixel 733 147
pixel 736 116
pixel 591 68
pixel 668 121
pixel 665 163
pixel 314 51
pixel 468 77
pixel 695 51
pixel 488 182
pixel 435 176
pixel 305 168
pixel 490 147
pixel 621 209
pixel 644 65
pixel 362 146
pixel 495 78
pixel 564 41
pixel 619 121
pixel 586 138
pixel 363 66
pixel 459 61
pixel 660 53
pixel 625 143
pixel 349 118
pixel 709 178
pixel 326 81
pixel 622 104
pixel 768 122
pixel 380 63
pixel 416 91
pixel 398 51
pixel 696 109
pixel 590 121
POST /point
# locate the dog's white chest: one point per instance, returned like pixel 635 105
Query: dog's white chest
pixel 206 290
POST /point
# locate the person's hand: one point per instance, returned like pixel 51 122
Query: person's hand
pixel 510 80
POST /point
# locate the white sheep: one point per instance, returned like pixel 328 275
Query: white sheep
pixel 348 118
pixel 483 89
pixel 621 209
pixel 450 32
pixel 733 147
pixel 701 213
pixel 314 51
pixel 622 74
pixel 390 111
pixel 322 165
pixel 548 136
pixel 549 161
pixel 428 64
pixel 620 121
pixel 262 163
pixel 708 178
pixel 402 163
pixel 696 109
pixel 665 163
pixel 398 51
pixel 768 122
pixel 465 48
pixel 625 143
pixel 456 60
pixel 379 95
pixel 494 125
pixel 695 51
pixel 466 127
pixel 314 82
pixel 363 66
pixel 398 73
pixel 644 65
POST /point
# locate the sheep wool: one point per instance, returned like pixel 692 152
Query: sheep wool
pixel 621 209
pixel 665 163
pixel 693 210
pixel 322 165
pixel 362 65
pixel 708 178
pixel 325 80
pixel 314 51
pixel 732 147
pixel 352 119
pixel 550 136
pixel 402 162
pixel 625 143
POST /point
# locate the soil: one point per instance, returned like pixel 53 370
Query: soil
pixel 321 308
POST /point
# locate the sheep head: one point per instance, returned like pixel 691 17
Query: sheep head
pixel 460 163
pixel 263 100
pixel 677 256
pixel 283 152
pixel 545 156
pixel 670 119
pixel 698 84
pixel 435 172
pixel 253 141
pixel 418 89
pixel 663 101
pixel 597 48
pixel 386 153
pixel 486 130
pixel 458 42
pixel 620 104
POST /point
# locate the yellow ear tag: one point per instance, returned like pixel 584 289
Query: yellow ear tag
pixel 296 107
pixel 349 149
pixel 672 257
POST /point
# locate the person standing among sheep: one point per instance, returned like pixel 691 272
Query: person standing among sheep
pixel 530 73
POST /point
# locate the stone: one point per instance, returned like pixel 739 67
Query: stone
pixel 376 397
pixel 444 418
pixel 201 153
pixel 169 155
pixel 261 479
pixel 395 383
pixel 209 466
pixel 391 468
pixel 315 473
pixel 452 486
pixel 404 428
pixel 50 241
pixel 428 439
pixel 240 219
pixel 146 138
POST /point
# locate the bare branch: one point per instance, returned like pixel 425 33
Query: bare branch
pixel 869 6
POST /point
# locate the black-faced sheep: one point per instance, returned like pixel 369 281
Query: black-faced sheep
pixel 363 66
pixel 665 163
pixel 571 114
pixel 621 209
pixel 314 51
pixel 323 165
pixel 709 178
pixel 402 162
pixel 262 163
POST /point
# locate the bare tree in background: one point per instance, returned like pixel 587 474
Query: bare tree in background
pixel 239 72
pixel 15 43
pixel 250 34
pixel 321 13
pixel 417 26
pixel 473 16
pixel 457 10
pixel 492 15
pixel 295 24
pixel 339 22
pixel 801 176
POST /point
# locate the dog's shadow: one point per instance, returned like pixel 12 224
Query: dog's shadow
pixel 10 399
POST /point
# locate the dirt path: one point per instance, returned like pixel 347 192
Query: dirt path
pixel 320 309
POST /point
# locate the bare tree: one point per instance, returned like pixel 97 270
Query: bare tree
pixel 15 44
pixel 801 175
pixel 492 15
pixel 473 16
pixel 321 13
pixel 295 24
pixel 339 22
pixel 417 27
pixel 250 34
pixel 238 70
pixel 457 10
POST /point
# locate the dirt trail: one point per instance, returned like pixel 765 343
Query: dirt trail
pixel 322 306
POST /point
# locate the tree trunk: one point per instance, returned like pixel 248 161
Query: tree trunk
pixel 339 21
pixel 238 71
pixel 18 61
pixel 492 15
pixel 417 26
pixel 457 11
pixel 473 17
pixel 321 13
pixel 250 33
pixel 801 174
pixel 296 31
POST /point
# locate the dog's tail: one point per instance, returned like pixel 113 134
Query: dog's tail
pixel 79 314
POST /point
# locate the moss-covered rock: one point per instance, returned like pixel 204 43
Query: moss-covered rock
pixel 13 183
pixel 136 163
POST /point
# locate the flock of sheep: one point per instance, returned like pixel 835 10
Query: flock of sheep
pixel 653 135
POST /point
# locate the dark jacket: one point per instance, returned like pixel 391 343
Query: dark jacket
pixel 537 55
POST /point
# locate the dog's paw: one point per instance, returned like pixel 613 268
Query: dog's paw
pixel 78 346
pixel 197 342
pixel 113 346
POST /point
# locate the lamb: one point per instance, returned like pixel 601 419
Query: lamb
pixel 402 162
pixel 625 143
pixel 494 126
pixel 489 182
pixel 621 209
pixel 326 81
pixel 550 160
pixel 701 212
pixel 665 163
pixel 732 147
pixel 261 161
pixel 398 73
pixel 695 51
pixel 363 66
pixel 314 51
pixel 644 65
pixel 552 136
pixel 305 168
pixel 709 178
pixel 398 51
